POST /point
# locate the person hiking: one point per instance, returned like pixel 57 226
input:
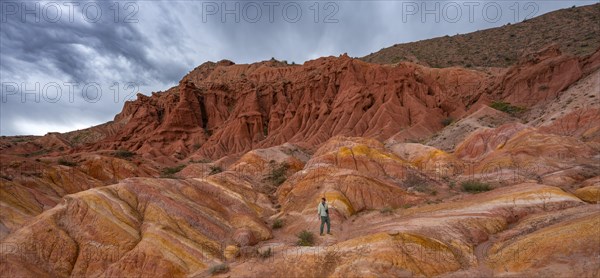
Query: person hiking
pixel 323 212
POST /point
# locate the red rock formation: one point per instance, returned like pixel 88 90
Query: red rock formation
pixel 156 126
pixel 541 76
pixel 224 108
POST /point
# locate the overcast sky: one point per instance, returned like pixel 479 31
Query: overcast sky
pixel 67 65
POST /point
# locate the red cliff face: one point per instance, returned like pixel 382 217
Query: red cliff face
pixel 168 123
pixel 222 108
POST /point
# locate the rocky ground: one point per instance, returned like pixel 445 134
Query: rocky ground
pixel 429 172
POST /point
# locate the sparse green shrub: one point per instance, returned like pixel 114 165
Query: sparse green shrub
pixel 217 269
pixel 414 180
pixel 277 224
pixel 507 107
pixel 418 183
pixel 215 170
pixel 123 154
pixel 179 156
pixel 65 162
pixel 447 121
pixel 386 210
pixel 475 186
pixel 204 160
pixel 306 238
pixel 170 171
pixel 19 139
pixel 77 138
pixel 36 153
pixel 277 175
pixel 265 254
pixel 452 184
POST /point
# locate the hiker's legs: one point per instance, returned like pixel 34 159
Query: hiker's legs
pixel 323 219
pixel 328 225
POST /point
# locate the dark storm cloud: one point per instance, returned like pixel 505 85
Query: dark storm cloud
pixel 154 43
pixel 31 41
pixel 86 50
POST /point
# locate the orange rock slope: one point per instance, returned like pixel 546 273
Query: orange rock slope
pixel 389 218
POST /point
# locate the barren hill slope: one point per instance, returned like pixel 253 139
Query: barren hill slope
pixel 575 30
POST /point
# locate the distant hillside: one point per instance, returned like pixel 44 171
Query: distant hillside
pixel 576 30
